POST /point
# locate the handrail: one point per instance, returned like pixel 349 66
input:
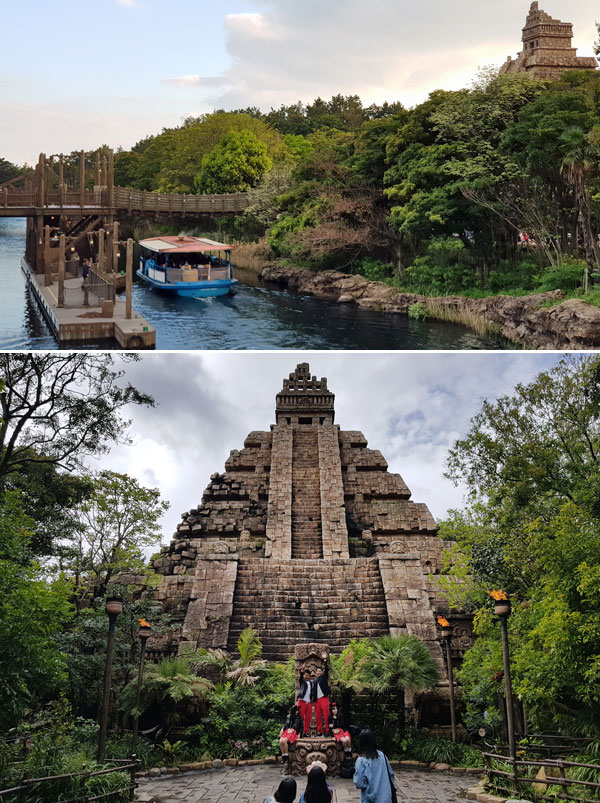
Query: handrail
pixel 125 199
pixel 561 780
pixel 27 783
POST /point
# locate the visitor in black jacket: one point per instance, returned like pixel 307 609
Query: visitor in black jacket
pixel 320 697
pixel 304 700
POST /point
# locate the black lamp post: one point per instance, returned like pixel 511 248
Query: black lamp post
pixel 144 634
pixel 502 611
pixel 447 636
pixel 113 607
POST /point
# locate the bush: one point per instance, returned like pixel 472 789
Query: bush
pixel 567 278
pixel 445 268
pixel 374 269
pixel 443 751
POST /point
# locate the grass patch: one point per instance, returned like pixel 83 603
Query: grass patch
pixel 252 256
pixel 477 323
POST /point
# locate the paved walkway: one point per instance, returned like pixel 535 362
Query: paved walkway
pixel 255 784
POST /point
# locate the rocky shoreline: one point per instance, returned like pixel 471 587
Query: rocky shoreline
pixel 524 320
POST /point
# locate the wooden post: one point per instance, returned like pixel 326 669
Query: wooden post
pixel 110 179
pixel 98 176
pixel 128 277
pixel 101 251
pixel 39 252
pixel 82 179
pixel 61 170
pixel 47 271
pixel 115 237
pixel 50 185
pixel 40 180
pixel 61 271
pixel 109 250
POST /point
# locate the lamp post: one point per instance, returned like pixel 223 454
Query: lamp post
pixel 447 636
pixel 502 611
pixel 144 634
pixel 114 606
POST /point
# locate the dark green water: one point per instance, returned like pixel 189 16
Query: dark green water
pixel 254 318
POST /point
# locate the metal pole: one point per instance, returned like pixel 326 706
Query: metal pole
pixel 508 691
pixel 451 687
pixel 136 721
pixel 112 621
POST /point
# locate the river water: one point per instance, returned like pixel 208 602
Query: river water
pixel 254 318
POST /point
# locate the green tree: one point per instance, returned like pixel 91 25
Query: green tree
pixel 32 611
pixel 531 452
pixel 60 409
pixel 237 164
pixel 346 673
pixel 579 160
pixel 116 523
pixel 396 664
pixel 8 170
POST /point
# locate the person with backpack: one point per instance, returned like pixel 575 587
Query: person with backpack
pixel 372 772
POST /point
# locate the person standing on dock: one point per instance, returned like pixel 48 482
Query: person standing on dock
pixel 85 270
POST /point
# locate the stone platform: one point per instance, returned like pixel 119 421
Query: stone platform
pixel 256 784
pixel 315 748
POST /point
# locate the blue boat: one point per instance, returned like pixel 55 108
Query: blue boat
pixel 195 267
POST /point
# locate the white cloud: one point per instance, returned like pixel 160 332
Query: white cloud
pixel 131 3
pixel 378 50
pixel 412 407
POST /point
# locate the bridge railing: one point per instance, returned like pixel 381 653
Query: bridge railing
pixel 140 201
pixel 11 198
pixel 124 199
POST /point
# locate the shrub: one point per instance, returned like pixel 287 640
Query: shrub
pixel 374 269
pixel 569 277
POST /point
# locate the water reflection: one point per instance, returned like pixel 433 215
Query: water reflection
pixel 253 318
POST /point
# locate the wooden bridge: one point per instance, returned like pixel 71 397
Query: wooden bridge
pixel 75 196
pixel 72 208
pixel 45 191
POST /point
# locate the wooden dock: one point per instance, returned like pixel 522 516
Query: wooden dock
pixel 78 323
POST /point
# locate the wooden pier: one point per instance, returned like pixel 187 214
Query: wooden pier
pixel 95 320
pixel 72 208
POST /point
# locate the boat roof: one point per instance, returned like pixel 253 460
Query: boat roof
pixel 174 244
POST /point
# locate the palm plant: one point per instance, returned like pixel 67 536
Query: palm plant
pixel 580 158
pixel 241 671
pixel 346 674
pixel 397 663
pixel 171 684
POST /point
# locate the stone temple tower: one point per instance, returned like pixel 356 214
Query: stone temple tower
pixel 306 537
pixel 547 51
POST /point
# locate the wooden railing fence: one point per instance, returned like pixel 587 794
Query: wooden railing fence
pixel 30 786
pixel 507 774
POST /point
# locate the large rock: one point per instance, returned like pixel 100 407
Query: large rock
pixel 526 320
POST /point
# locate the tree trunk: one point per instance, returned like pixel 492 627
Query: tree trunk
pixel 400 707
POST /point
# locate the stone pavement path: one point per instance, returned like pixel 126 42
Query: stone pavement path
pixel 255 784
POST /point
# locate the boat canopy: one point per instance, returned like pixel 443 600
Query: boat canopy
pixel 173 244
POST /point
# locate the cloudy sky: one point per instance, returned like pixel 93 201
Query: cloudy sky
pixel 76 75
pixel 411 406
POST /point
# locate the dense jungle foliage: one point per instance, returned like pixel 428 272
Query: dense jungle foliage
pixel 487 189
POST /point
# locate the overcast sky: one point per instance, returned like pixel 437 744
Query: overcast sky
pixel 78 74
pixel 411 406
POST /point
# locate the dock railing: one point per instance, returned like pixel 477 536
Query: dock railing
pixel 100 286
